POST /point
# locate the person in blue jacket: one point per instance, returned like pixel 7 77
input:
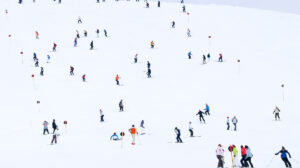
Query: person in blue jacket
pixel 75 42
pixel 284 157
pixel 114 137
pixel 190 54
pixel 207 109
pixel 249 155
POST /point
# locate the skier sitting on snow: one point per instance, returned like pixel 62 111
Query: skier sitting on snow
pixel 276 112
pixel 114 137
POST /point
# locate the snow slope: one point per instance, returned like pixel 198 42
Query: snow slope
pixel 267 44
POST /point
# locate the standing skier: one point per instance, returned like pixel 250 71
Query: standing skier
pixel 284 157
pixel 228 124
pixel 34 56
pixel 191 129
pixel 188 33
pixel 142 124
pixel 276 112
pixel 55 136
pixel 105 32
pixel 42 71
pixel 152 44
pixel 117 79
pixel 101 116
pixel 135 58
pixel 177 132
pixel 235 156
pixel 203 59
pixel 207 109
pixel 77 34
pixel 248 156
pixel 121 105
pixel 148 64
pixel 208 56
pixel 97 31
pixel 79 20
pixel 75 42
pixel 190 54
pixel 149 73
pixel 200 113
pixel 220 156
pixel 45 124
pixel 85 33
pixel 173 24
pixel 183 9
pixel 54 126
pixel 36 62
pixel 243 154
pixel 133 131
pixel 83 77
pixel 234 122
pixel 220 58
pixel 36 34
pixel 54 47
pixel 71 70
pixel 92 45
pixel 158 4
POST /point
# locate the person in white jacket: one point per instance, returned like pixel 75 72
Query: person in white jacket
pixel 191 129
pixel 55 136
pixel 220 156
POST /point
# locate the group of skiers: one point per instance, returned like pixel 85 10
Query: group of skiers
pixel 55 131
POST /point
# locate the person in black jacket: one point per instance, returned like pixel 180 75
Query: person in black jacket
pixel 284 157
pixel 200 113
pixel 177 131
pixel 121 106
pixel 54 126
pixel 149 73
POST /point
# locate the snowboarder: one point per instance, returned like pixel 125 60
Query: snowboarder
pixel 45 124
pixel 83 77
pixel 114 137
pixel 36 63
pixel 36 34
pixel 135 58
pixel 248 156
pixel 190 54
pixel 173 24
pixel 284 157
pixel 189 33
pixel 101 116
pixel 79 20
pixel 200 113
pixel 207 109
pixel 142 124
pixel 97 31
pixel 75 42
pixel 276 112
pixel 105 32
pixel 234 122
pixel 220 58
pixel 133 131
pixel 149 73
pixel 71 70
pixel 55 136
pixel 121 106
pixel 220 156
pixel 191 129
pixel 158 4
pixel 85 33
pixel 54 47
pixel 148 64
pixel 203 59
pixel 228 124
pixel 42 71
pixel 92 45
pixel 183 9
pixel 54 126
pixel 243 154
pixel 152 44
pixel 117 79
pixel 177 132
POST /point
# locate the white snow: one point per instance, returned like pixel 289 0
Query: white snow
pixel 267 44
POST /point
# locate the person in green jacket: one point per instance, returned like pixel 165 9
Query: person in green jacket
pixel 235 156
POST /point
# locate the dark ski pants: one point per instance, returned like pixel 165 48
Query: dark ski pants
pixel 54 139
pixel 286 162
pixel 117 82
pixel 207 112
pixel 46 130
pixel 121 108
pixel 244 164
pixel 220 161
pixel 234 126
pixel 228 126
pixel 178 138
pixel 54 130
pixel 201 118
pixel 248 160
pixel 277 116
pixel 191 131
pixel 102 118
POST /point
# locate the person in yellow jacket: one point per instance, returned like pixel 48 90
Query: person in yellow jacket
pixel 235 156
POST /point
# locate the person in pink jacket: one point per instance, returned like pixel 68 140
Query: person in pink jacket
pixel 220 156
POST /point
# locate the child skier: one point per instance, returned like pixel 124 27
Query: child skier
pixel 200 113
pixel 36 63
pixel 142 124
pixel 177 132
pixel 183 9
pixel 133 131
pixel 284 157
pixel 36 34
pixel 79 20
pixel 276 112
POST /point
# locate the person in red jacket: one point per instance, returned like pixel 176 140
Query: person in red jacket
pixel 54 46
pixel 36 34
pixel 243 153
pixel 117 79
pixel 83 78
pixel 220 58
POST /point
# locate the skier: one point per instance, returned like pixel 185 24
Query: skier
pixel 83 77
pixel 114 137
pixel 235 155
pixel 101 116
pixel 48 58
pixel 191 129
pixel 234 122
pixel 284 157
pixel 228 124
pixel 105 32
pixel 142 124
pixel 92 45
pixel 148 65
pixel 190 54
pixel 149 73
pixel 54 126
pixel 121 106
pixel 276 112
pixel 75 42
pixel 133 131
pixel 85 33
pixel 117 79
pixel 177 131
pixel 54 47
pixel 45 124
pixel 243 154
pixel 34 56
pixel 36 34
pixel 203 59
pixel 208 56
pixel 55 136
pixel 200 113
pixel 189 33
pixel 36 63
pixel 183 9
pixel 71 70
pixel 158 4
pixel 79 20
pixel 220 156
pixel 42 71
pixel 147 4
pixel 135 58
pixel 248 156
pixel 98 31
pixel 220 58
pixel 173 24
pixel 77 34
pixel 152 44
pixel 206 109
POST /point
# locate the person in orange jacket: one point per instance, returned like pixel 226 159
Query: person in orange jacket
pixel 152 44
pixel 117 79
pixel 133 131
